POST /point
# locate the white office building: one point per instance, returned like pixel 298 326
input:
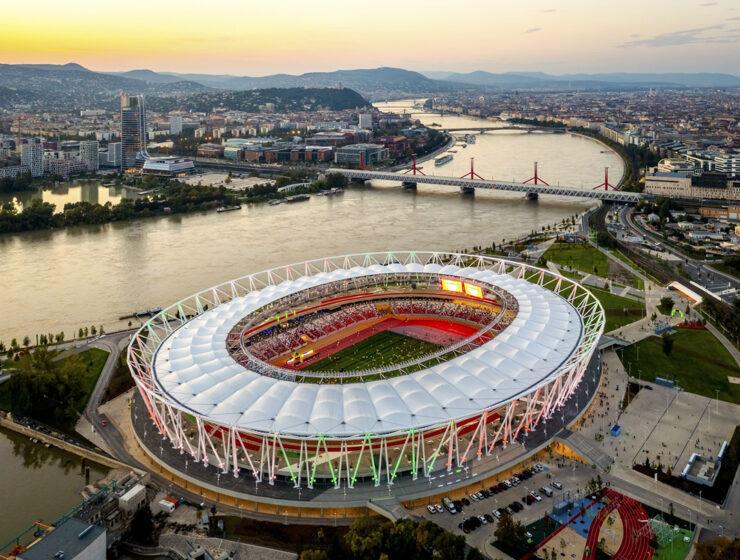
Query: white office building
pixel 114 154
pixel 176 124
pixel 89 154
pixel 32 156
pixel 366 121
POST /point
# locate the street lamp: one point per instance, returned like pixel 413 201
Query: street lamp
pixel 717 400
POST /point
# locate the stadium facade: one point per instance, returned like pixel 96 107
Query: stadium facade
pixel 231 377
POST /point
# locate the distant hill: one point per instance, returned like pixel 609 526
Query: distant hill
pixel 540 80
pixel 284 99
pixel 71 86
pixel 150 76
pixel 373 82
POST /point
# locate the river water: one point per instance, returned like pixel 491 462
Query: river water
pixel 37 483
pixel 61 280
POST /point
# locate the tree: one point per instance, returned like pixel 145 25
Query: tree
pixel 667 344
pixel 364 539
pixel 335 181
pixel 509 531
pixel 721 548
pixel 402 538
pixel 26 341
pixel 93 330
pixel 475 554
pixel 81 332
pixel 666 304
pixel 314 555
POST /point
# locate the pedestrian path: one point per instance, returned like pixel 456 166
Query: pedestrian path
pixel 584 448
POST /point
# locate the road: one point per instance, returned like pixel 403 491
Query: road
pixel 699 271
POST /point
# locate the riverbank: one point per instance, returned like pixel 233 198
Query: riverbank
pixel 421 159
pixel 68 445
pixel 627 164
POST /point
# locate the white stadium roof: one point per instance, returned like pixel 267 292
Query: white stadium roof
pixel 194 368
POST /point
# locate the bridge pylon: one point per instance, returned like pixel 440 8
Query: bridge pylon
pixel 537 179
pixel 465 189
pixel 414 170
pixel 472 174
pixel 606 183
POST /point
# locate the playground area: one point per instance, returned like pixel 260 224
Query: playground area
pixel 614 524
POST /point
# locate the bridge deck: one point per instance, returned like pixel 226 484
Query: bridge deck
pixel 609 196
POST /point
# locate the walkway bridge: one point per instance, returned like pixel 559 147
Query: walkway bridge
pixel 470 185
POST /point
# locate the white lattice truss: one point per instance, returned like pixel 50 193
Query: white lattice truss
pixel 377 457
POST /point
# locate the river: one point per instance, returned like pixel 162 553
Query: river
pixel 37 483
pixel 62 280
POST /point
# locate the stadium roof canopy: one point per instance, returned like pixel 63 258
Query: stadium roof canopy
pixel 195 370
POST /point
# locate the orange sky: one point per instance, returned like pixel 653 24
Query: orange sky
pixel 257 38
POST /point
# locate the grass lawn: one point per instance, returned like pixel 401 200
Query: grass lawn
pixel 676 550
pixel 92 361
pixel 698 363
pixel 722 267
pixel 614 307
pixel 578 255
pixel 382 349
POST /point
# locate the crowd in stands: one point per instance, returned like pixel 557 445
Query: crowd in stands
pixel 293 333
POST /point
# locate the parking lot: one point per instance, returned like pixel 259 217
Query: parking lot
pixel 572 476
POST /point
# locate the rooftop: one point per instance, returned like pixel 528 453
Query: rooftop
pixel 71 538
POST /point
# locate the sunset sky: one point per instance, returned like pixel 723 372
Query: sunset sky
pixel 245 37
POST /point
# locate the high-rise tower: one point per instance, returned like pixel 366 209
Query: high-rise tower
pixel 133 132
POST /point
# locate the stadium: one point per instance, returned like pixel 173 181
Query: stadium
pixel 360 371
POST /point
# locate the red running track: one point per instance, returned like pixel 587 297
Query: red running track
pixel 636 532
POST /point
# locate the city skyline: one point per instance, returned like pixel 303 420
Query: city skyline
pixel 563 37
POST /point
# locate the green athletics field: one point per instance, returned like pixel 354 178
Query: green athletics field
pixel 382 349
pixel 698 363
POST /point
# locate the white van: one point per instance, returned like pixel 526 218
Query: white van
pixel 547 491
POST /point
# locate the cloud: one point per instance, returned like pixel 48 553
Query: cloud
pixel 548 10
pixel 634 35
pixel 736 18
pixel 707 4
pixel 709 34
pixel 533 30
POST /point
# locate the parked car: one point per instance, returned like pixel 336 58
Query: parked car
pixel 539 467
pixel 474 497
pixel 535 495
pixel 497 513
pixel 547 491
pixel 483 520
pixel 439 508
pixel 557 485
pixel 488 517
pixel 465 501
pixel 431 509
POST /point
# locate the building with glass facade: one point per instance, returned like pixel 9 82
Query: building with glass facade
pixel 133 132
